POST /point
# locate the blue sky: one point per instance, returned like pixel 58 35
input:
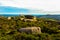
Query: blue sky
pixel 7 9
pixel 15 10
pixel 37 7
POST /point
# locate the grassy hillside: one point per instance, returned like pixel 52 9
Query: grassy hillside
pixel 50 29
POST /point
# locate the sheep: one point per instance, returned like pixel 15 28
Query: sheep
pixel 30 30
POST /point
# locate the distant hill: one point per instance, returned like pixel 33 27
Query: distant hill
pixel 38 16
pixel 49 16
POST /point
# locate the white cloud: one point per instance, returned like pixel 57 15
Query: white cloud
pixel 46 5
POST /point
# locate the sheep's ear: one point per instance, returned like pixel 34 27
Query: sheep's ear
pixel 17 29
